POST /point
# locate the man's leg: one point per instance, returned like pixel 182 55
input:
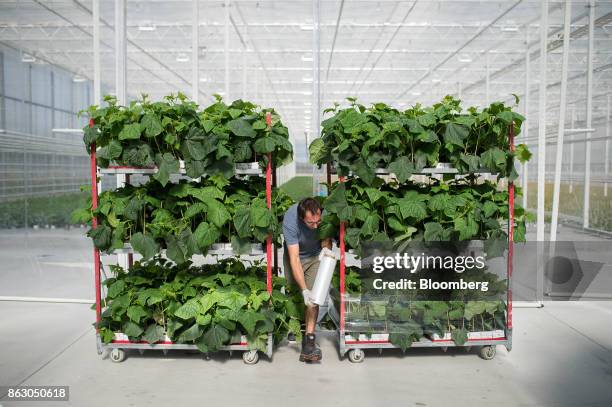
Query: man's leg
pixel 310 267
pixel 310 350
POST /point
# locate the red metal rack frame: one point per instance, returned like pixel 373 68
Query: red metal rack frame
pixel 507 340
pixel 96 252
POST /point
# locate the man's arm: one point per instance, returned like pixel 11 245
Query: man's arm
pixel 296 265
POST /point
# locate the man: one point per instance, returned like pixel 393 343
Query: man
pixel 302 248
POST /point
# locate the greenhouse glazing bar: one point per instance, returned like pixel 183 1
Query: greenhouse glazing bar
pixel 561 127
pixel 589 119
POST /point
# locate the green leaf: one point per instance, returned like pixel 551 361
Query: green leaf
pixel 411 208
pixel 145 245
pixel 402 168
pixel 522 153
pixel 232 300
pixel 473 308
pixel 116 288
pixel 336 201
pixel 260 216
pixel 494 159
pixel 196 149
pixel 318 151
pixel 472 162
pixel 370 225
pixel 489 208
pixel 455 134
pixel 206 235
pixel 190 309
pixel 264 145
pixel 191 334
pixel 459 336
pixel 132 330
pixel 466 226
pixel 242 221
pixel 243 151
pixel 110 152
pixel 173 326
pixel 154 333
pixel 242 128
pixel 248 319
pixel 215 337
pixel 130 132
pixel 151 125
pixel 136 313
pixel 101 236
pixel 217 212
pixel 234 113
pixel 166 164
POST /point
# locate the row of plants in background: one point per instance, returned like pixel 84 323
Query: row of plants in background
pixel 209 141
pixel 361 139
pixel 434 211
pixel 45 211
pixel 186 218
pixel 409 315
pixel 210 306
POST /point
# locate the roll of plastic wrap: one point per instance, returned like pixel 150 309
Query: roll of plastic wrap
pixel 320 288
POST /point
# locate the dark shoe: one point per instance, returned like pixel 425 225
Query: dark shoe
pixel 291 337
pixel 310 350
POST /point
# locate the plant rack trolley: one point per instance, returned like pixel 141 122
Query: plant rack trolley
pixel 121 342
pixel 487 346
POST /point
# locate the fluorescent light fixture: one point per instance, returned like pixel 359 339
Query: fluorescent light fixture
pixel 510 28
pixel 307 58
pixel 307 103
pixel 182 57
pixel 78 78
pixel 203 79
pixel 415 93
pixel 306 27
pixel 307 111
pixel 435 80
pixel 307 93
pixel 27 58
pixel 464 58
pixel 307 79
pixel 146 26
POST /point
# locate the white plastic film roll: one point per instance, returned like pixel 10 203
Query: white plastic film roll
pixel 327 265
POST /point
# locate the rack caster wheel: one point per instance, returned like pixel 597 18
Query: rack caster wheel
pixel 356 355
pixel 487 352
pixel 117 355
pixel 250 357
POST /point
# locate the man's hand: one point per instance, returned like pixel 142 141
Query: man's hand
pixel 307 298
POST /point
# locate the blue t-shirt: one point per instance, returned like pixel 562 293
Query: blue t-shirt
pixel 296 231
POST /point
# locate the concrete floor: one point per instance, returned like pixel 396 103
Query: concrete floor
pixel 562 354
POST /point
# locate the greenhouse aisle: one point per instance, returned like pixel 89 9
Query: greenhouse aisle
pixel 566 367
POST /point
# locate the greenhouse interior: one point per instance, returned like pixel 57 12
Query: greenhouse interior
pixel 250 191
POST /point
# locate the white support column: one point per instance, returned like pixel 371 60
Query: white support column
pixel 571 163
pixel 226 43
pixel 487 80
pixel 526 114
pixel 120 52
pixel 244 74
pixel 561 128
pixel 121 81
pixel 458 90
pixel 589 120
pixel 316 86
pixel 607 147
pixel 97 96
pixel 195 50
pixel 542 123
